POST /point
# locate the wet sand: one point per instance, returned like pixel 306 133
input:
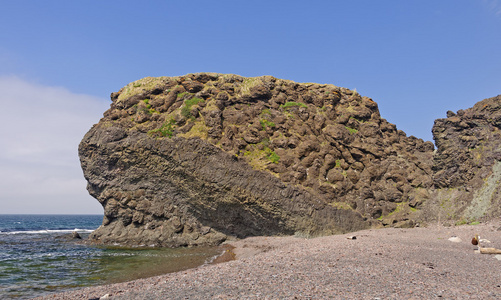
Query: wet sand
pixel 417 263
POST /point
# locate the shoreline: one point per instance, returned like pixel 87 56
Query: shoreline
pixel 379 263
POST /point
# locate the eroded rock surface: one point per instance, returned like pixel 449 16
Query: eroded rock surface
pixel 191 160
pixel 467 163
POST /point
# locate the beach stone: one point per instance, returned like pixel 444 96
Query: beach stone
pixel 75 235
pixel 455 239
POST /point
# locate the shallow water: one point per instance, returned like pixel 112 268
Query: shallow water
pixel 37 257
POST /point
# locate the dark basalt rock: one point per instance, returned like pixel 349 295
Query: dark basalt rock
pixel 192 160
pixel 467 142
pixel 466 164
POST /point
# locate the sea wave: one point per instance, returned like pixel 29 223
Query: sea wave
pixel 48 231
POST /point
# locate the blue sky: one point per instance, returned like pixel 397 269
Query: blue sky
pixel 60 60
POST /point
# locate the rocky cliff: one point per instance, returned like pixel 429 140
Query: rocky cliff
pixel 467 164
pixel 191 160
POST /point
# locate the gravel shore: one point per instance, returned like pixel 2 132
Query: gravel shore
pixel 417 263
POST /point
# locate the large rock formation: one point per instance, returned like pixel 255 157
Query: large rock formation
pixel 191 160
pixel 467 164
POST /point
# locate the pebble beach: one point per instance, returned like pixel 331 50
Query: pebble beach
pixel 434 262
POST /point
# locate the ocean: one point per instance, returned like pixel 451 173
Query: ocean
pixel 39 257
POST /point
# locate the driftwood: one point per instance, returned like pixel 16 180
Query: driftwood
pixel 490 251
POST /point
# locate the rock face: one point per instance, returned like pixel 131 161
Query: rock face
pixel 191 160
pixel 466 166
pixel 467 143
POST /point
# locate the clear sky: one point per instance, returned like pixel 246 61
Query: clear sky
pixel 60 60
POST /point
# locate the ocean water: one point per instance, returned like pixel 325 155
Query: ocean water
pixel 39 257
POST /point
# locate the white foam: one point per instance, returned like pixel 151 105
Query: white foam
pixel 48 231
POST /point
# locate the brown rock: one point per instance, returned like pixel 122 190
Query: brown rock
pixel 335 175
pixel 265 156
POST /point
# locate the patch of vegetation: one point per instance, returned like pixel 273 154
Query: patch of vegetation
pixel 181 95
pixel 166 130
pixel 265 124
pixel 211 105
pixel 400 206
pixel 341 205
pixel 464 221
pixel 272 156
pixel 338 163
pixel 258 159
pixel 140 86
pixel 265 112
pixel 292 104
pixel 447 206
pixel 149 110
pixel 351 130
pixel 198 130
pixel 359 121
pixel 478 152
pixel 349 109
pixel 188 103
pixel 248 83
pixel 145 110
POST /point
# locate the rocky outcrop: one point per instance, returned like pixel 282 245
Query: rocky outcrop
pixel 466 165
pixel 194 159
pixel 467 142
pixel 177 192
